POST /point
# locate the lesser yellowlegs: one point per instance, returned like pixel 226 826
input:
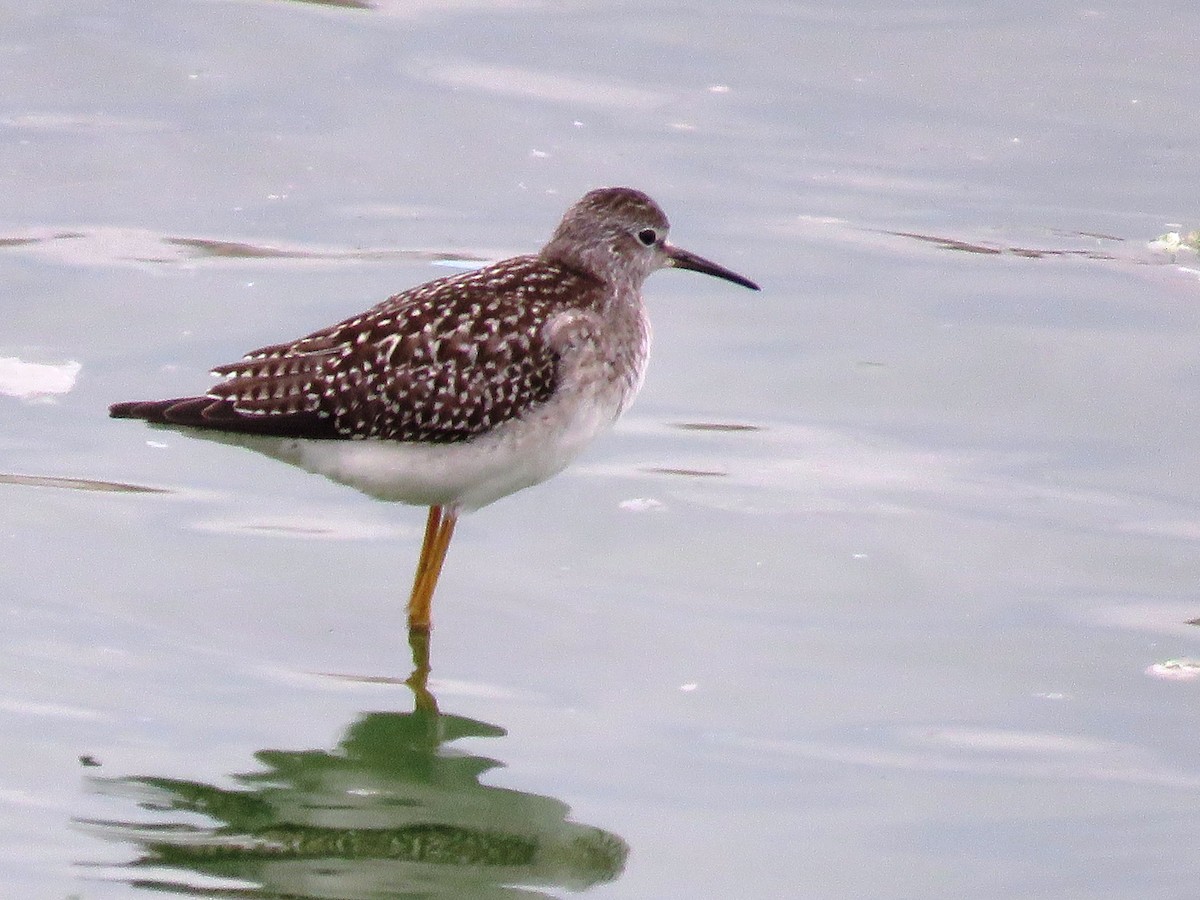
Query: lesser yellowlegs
pixel 463 390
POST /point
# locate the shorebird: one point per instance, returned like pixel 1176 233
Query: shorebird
pixel 460 391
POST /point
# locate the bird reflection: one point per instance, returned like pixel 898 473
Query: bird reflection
pixel 418 681
pixel 394 810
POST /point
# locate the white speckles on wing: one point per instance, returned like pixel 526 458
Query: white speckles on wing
pixel 442 362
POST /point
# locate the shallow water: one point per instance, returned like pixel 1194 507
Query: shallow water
pixel 884 587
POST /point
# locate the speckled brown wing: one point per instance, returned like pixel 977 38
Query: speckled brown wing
pixel 439 363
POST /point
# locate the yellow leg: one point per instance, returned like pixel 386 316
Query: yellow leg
pixel 439 528
pixel 432 523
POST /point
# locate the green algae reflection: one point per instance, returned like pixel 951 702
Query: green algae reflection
pixel 394 810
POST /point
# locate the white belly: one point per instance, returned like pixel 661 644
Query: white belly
pixel 593 391
pixel 466 475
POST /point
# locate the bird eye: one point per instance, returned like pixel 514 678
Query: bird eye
pixel 648 236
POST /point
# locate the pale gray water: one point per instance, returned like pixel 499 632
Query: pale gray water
pixel 891 641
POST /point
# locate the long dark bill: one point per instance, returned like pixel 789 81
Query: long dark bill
pixel 682 259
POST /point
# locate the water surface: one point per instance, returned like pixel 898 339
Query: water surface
pixel 884 588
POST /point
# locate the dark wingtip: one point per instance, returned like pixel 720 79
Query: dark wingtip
pixel 220 415
pixel 158 412
pixel 126 410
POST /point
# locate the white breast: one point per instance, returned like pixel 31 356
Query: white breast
pixel 594 387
